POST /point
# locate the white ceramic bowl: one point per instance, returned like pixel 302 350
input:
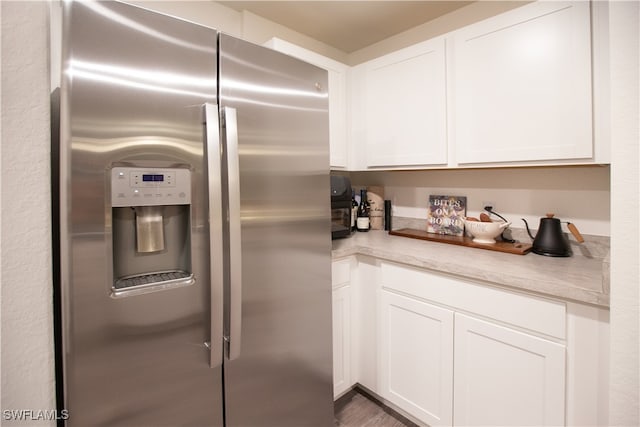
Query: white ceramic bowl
pixel 485 232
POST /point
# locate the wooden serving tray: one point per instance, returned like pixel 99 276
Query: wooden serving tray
pixel 511 248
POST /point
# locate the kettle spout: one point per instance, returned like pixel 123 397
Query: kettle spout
pixel 528 231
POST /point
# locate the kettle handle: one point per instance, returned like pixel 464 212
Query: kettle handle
pixel 574 230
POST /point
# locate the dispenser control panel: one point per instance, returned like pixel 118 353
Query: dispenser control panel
pixel 150 186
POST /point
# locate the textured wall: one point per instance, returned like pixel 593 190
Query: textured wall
pixel 625 218
pixel 27 334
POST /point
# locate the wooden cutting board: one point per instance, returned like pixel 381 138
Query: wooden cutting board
pixel 511 248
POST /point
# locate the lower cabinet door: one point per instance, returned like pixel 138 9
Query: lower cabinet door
pixel 416 357
pixel 341 340
pixel 504 377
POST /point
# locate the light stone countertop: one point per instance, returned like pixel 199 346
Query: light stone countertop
pixel 577 278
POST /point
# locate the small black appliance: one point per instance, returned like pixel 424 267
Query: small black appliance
pixel 340 206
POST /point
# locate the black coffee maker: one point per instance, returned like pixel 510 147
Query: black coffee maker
pixel 340 206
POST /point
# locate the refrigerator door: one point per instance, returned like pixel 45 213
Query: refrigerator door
pixel 133 93
pixel 279 368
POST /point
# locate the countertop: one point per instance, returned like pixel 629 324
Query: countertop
pixel 577 278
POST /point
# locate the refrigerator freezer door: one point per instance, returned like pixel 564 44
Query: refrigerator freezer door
pixel 134 85
pixel 282 374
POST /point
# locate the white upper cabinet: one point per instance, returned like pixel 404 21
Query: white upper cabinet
pixel 521 85
pixel 404 96
pixel 337 96
pixel 526 87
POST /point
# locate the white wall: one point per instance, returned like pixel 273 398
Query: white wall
pixel 27 336
pixel 624 396
pixel 576 194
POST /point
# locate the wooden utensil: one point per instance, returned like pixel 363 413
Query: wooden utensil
pixel 485 218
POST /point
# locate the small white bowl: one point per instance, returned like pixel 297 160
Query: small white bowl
pixel 485 232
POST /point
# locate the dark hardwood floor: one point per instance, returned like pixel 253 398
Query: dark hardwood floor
pixel 358 409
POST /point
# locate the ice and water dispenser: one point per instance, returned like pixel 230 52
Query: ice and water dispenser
pixel 151 210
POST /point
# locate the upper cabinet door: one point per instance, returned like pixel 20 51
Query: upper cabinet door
pixel 337 96
pixel 405 107
pixel 522 86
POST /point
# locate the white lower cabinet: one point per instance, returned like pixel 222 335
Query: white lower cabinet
pixel 504 377
pixel 341 310
pixel 416 357
pixel 341 340
pixel 496 376
pixel 444 350
pixel 455 352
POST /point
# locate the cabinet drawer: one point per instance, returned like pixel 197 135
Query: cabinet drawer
pixel 340 271
pixel 526 311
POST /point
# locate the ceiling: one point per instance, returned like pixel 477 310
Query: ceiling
pixel 348 25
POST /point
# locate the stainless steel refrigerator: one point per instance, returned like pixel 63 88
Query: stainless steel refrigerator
pixel 192 226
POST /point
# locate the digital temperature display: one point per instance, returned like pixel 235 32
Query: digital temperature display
pixel 152 178
pixel 150 186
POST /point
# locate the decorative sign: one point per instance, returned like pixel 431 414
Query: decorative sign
pixel 446 215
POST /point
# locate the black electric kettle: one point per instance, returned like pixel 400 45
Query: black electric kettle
pixel 550 240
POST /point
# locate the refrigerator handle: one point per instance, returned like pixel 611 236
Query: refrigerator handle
pixel 216 250
pixel 235 249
